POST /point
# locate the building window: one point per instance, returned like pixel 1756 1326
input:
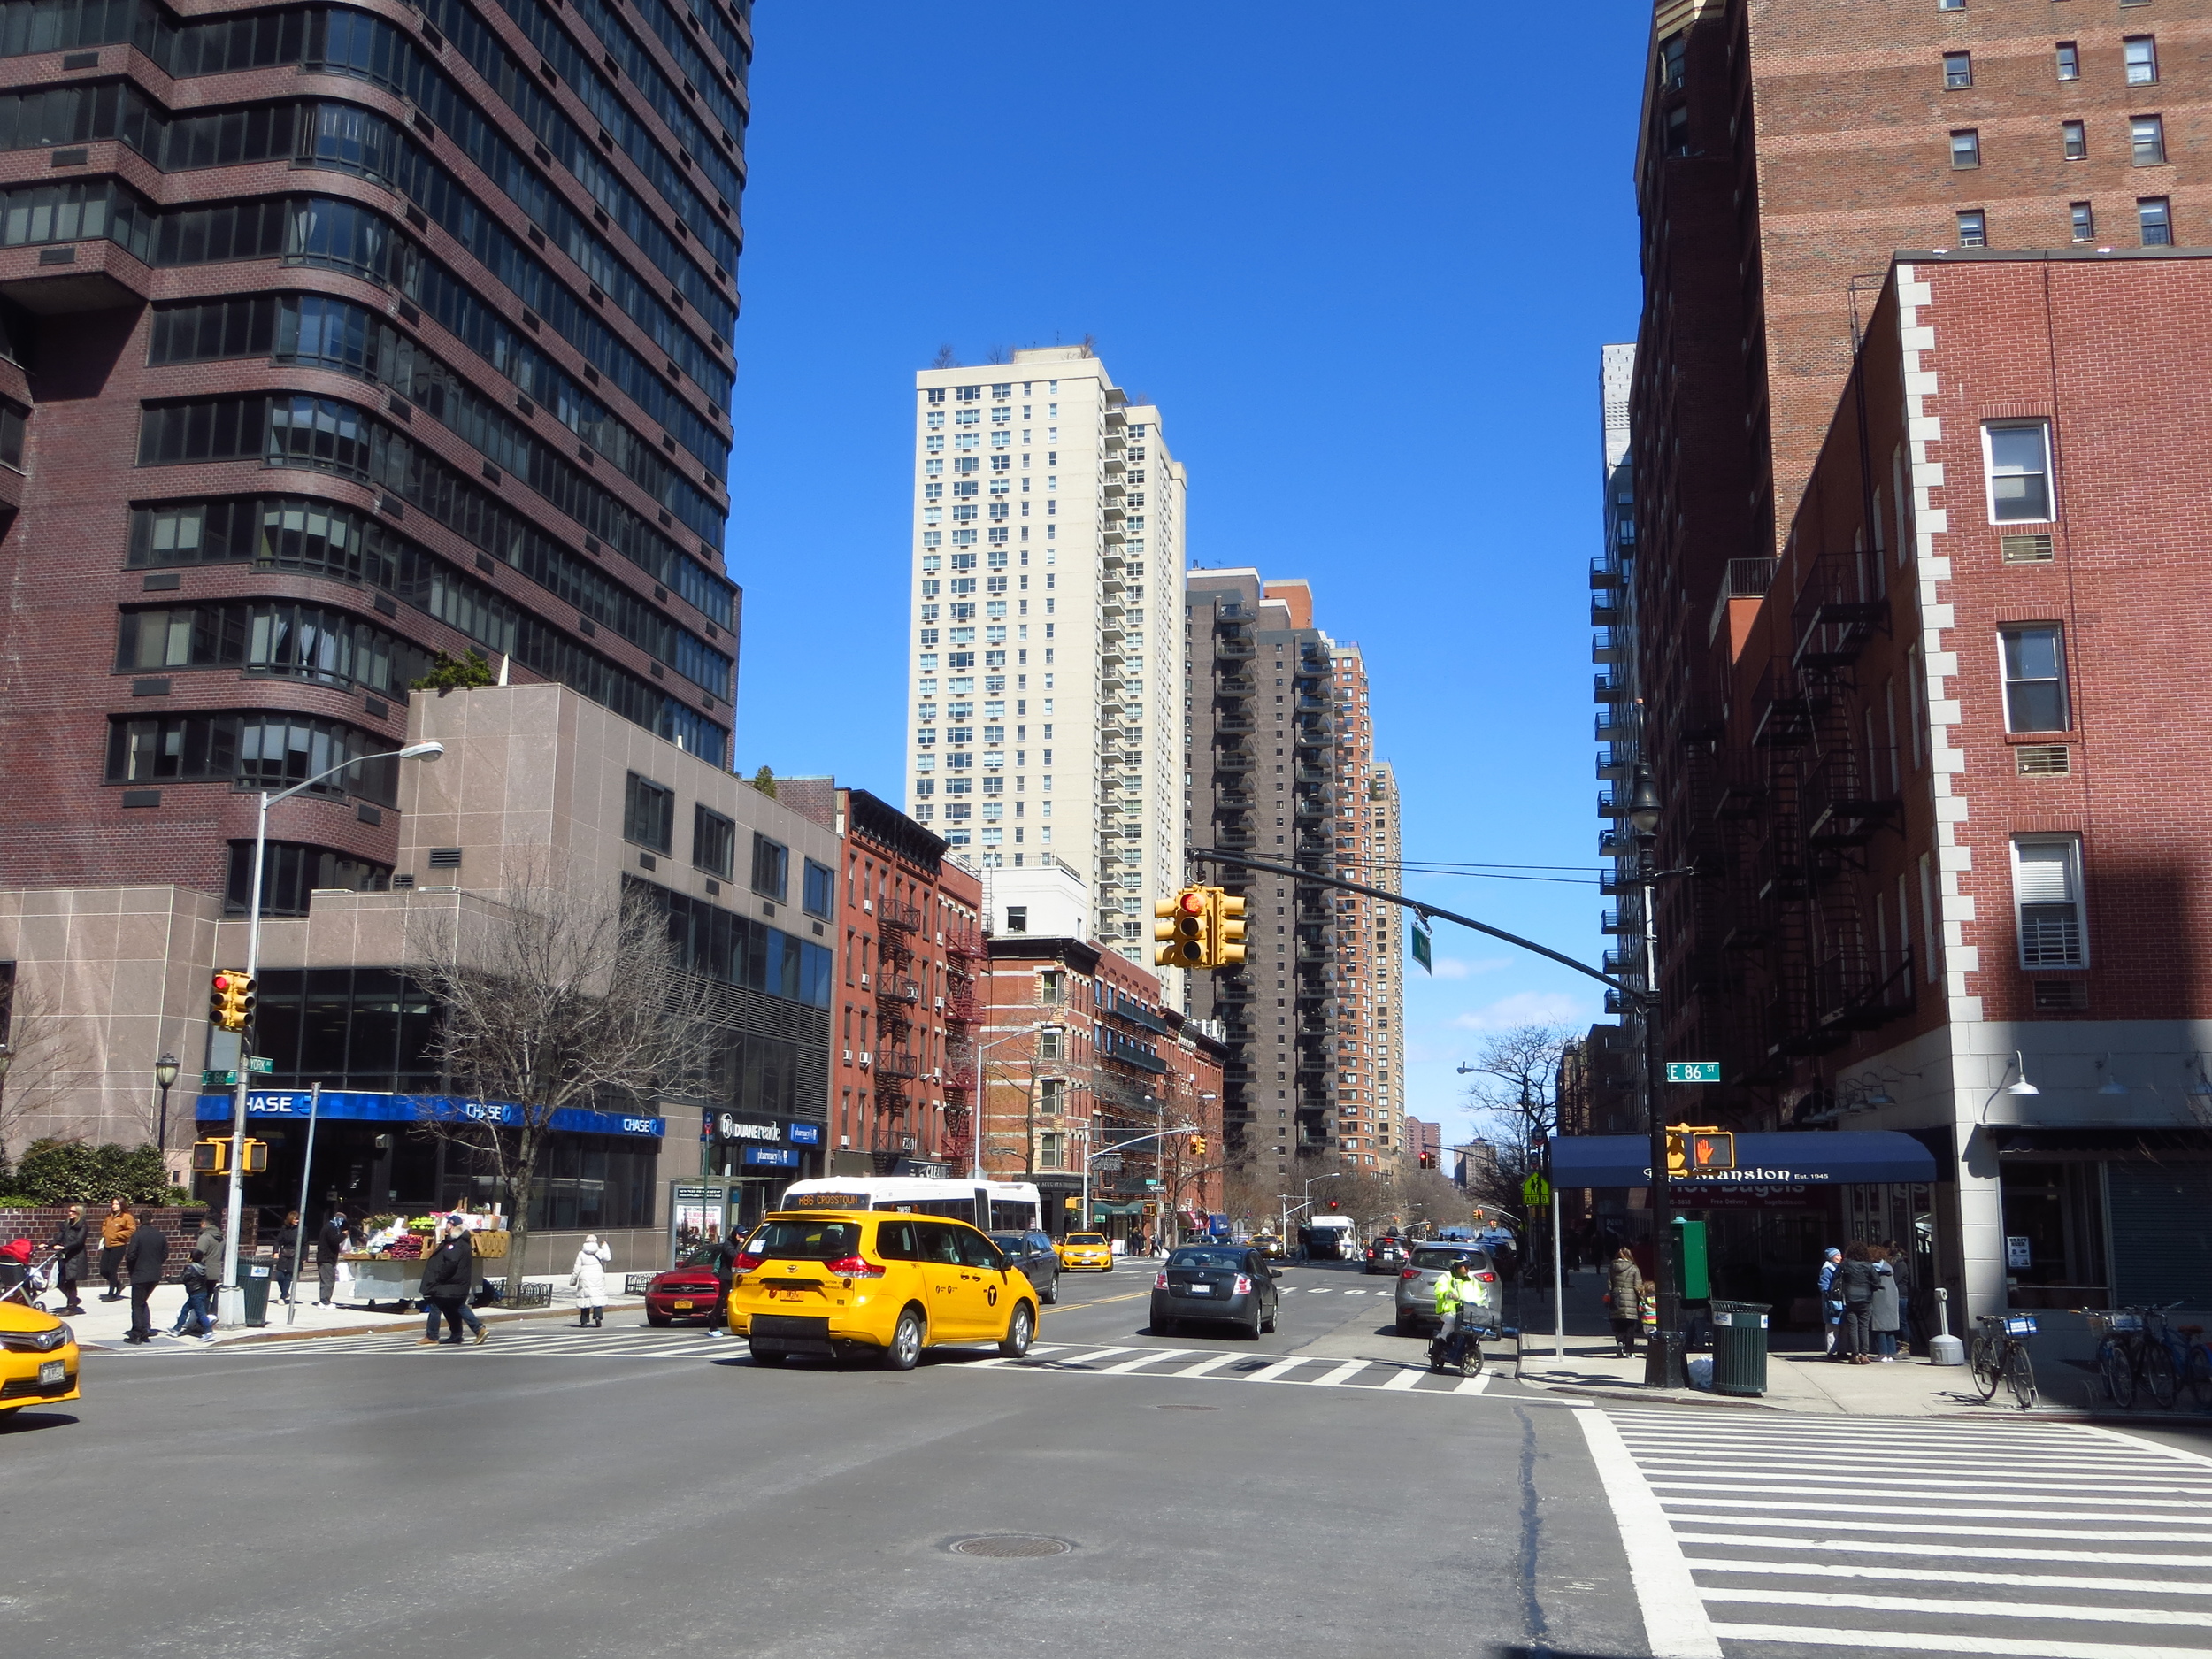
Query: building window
pixel 1958 69
pixel 771 867
pixel 1051 1043
pixel 2035 679
pixel 1950 6
pixel 1966 148
pixel 2155 217
pixel 2140 52
pixel 1677 139
pixel 1671 64
pixel 1052 1096
pixel 648 814
pixel 1048 1150
pixel 1973 228
pixel 1018 918
pixel 1051 986
pixel 291 872
pixel 2047 887
pixel 2068 61
pixel 2017 455
pixel 713 842
pixel 2147 139
pixel 2084 221
pixel 821 897
pixel 2074 140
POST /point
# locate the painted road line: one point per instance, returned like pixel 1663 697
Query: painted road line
pixel 1897 1516
pixel 2078 1535
pixel 1151 1356
pixel 2020 1492
pixel 1795 1636
pixel 1406 1380
pixel 1095 1354
pixel 1203 1367
pixel 1675 1623
pixel 1275 1370
pixel 1889 1572
pixel 2181 1617
pixel 1813 1546
pixel 1341 1375
pixel 1474 1384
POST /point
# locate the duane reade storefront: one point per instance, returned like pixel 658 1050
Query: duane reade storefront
pixel 758 1157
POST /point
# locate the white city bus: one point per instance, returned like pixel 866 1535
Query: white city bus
pixel 994 1206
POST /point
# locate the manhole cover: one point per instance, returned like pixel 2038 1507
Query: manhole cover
pixel 1011 1546
pixel 1186 1408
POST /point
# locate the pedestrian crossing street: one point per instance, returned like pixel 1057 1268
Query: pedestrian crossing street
pixel 1798 1535
pixel 1237 1364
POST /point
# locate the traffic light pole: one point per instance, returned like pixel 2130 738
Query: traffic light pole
pixel 1663 1365
pixel 230 1310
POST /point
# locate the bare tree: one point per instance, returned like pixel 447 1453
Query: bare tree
pixel 553 998
pixel 944 360
pixel 49 1058
pixel 1515 1091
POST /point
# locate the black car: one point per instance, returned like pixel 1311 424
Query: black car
pixel 1386 1256
pixel 1040 1264
pixel 1220 1284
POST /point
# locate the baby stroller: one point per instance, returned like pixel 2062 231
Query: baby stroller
pixel 37 1278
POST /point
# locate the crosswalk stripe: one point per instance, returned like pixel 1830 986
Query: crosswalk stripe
pixel 1150 1358
pixel 1890 1572
pixel 1095 1354
pixel 2024 1492
pixel 1808 1547
pixel 1405 1379
pixel 1948 1474
pixel 1342 1374
pixel 1982 1646
pixel 1274 1372
pixel 1829 1601
pixel 1890 1527
pixel 1895 1514
pixel 1205 1367
pixel 1473 1385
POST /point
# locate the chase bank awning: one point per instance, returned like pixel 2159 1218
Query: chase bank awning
pixel 339 1104
pixel 1803 1158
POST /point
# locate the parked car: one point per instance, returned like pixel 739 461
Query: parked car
pixel 686 1292
pixel 1417 1285
pixel 1032 1252
pixel 1215 1284
pixel 1386 1256
pixel 38 1358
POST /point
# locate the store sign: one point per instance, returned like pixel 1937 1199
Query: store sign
pixel 804 1134
pixel 345 1105
pixel 774 1157
pixel 734 1128
pixel 2019 1252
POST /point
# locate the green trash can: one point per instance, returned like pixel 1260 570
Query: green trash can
pixel 1740 1348
pixel 254 1279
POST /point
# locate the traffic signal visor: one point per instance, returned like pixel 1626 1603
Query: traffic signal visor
pixel 1228 930
pixel 210 1157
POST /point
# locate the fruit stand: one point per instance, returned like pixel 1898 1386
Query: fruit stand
pixel 391 1271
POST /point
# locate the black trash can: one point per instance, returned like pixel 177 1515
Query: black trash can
pixel 1740 1348
pixel 254 1279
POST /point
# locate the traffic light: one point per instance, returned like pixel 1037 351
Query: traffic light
pixel 1333 1204
pixel 257 1157
pixel 1692 1150
pixel 230 999
pixel 1228 931
pixel 1198 1146
pixel 210 1157
pixel 1181 927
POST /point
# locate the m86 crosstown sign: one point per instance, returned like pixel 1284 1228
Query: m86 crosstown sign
pixel 1693 1071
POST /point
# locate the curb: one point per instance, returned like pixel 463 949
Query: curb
pixel 265 1337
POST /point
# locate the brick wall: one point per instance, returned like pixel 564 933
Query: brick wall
pixel 182 1225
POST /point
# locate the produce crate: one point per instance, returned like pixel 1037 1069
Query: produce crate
pixel 490 1246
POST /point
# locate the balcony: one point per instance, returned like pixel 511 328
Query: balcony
pixel 1848 796
pixel 1608 575
pixel 889 990
pixel 1235 686
pixel 1235 651
pixel 1235 726
pixel 1608 689
pixel 1837 610
pixel 1606 610
pixel 900 1065
pixel 1621 723
pixel 1744 579
pixel 904 917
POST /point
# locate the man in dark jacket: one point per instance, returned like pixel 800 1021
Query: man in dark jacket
pixel 143 1258
pixel 724 1265
pixel 69 1240
pixel 448 1272
pixel 329 1244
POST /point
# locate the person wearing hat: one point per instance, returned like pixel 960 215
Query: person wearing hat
pixel 588 1279
pixel 1457 1295
pixel 447 1273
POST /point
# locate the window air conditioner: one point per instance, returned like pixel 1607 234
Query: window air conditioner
pixel 867 1059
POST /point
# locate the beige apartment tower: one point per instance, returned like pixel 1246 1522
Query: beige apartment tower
pixel 1047 638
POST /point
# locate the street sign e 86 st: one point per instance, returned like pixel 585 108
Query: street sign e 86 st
pixel 1693 1071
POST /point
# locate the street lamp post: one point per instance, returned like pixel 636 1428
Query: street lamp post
pixel 230 1312
pixel 1663 1354
pixel 164 1079
pixel 975 1172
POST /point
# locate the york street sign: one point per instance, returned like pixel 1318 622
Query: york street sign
pixel 1693 1071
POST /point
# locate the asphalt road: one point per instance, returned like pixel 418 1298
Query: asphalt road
pixel 652 1491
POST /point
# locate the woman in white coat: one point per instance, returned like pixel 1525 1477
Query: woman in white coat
pixel 589 1280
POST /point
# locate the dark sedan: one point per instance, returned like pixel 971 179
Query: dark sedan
pixel 686 1292
pixel 1040 1262
pixel 1386 1256
pixel 1225 1284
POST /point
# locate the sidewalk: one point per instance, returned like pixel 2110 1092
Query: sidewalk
pixel 104 1324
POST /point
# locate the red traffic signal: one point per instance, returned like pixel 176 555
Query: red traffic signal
pixel 1333 1204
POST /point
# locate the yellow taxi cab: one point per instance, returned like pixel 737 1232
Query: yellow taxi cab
pixel 836 1283
pixel 38 1358
pixel 1079 1250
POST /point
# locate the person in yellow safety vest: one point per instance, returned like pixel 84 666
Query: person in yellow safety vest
pixel 1456 1294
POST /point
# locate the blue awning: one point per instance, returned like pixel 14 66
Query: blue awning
pixel 411 1109
pixel 1799 1158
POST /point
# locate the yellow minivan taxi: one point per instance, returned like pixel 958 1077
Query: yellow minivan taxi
pixel 1079 1250
pixel 841 1282
pixel 38 1358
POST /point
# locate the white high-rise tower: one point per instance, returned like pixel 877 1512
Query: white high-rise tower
pixel 1048 640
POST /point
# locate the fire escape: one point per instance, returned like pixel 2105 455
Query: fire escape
pixel 963 1012
pixel 897 1069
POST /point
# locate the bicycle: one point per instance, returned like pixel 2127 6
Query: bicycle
pixel 1999 1354
pixel 2165 1356
pixel 2196 1370
pixel 2136 1349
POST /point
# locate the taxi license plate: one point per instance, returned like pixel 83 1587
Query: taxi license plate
pixel 1202 1290
pixel 51 1373
pixel 788 1295
pixel 681 1307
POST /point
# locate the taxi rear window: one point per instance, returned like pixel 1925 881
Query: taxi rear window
pixel 807 1241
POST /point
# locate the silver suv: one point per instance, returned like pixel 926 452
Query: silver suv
pixel 1417 1285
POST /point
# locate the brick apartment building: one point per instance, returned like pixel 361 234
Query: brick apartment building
pixel 332 338
pixel 902 1091
pixel 1965 898
pixel 1078 1055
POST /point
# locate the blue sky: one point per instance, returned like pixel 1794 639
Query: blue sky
pixel 1362 258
